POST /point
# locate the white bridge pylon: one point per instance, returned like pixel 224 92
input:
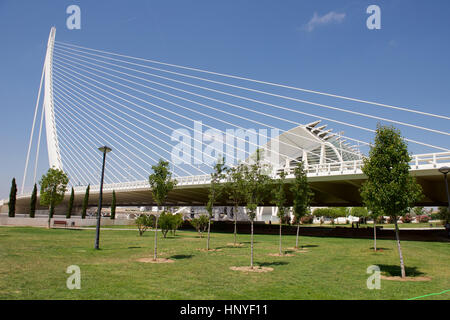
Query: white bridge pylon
pixel 146 110
pixel 54 157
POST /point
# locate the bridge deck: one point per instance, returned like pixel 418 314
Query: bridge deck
pixel 333 184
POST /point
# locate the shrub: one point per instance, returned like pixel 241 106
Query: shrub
pixel 406 218
pixel 435 216
pixel 423 218
pixel 165 223
pixel 145 221
pixel 200 224
pixel 177 221
pixel 323 212
pixel 360 212
pixel 307 219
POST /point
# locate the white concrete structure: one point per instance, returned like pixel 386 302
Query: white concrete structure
pixel 54 155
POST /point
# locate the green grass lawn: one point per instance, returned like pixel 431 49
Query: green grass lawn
pixel 386 225
pixel 33 263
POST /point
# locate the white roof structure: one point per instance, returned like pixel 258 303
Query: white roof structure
pixel 311 144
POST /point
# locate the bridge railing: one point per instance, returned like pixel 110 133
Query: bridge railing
pixel 418 162
pixel 429 160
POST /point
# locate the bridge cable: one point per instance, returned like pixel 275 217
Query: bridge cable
pixel 288 109
pixel 32 128
pixel 347 151
pixel 81 139
pixel 261 82
pixel 106 127
pixel 184 107
pixel 276 95
pixel 132 123
pixel 189 118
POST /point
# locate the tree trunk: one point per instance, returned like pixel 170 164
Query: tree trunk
pixel 251 246
pixel 298 230
pixel 156 232
pixel 402 265
pixel 375 235
pixel 49 216
pixel 209 230
pixel 235 223
pixel 280 238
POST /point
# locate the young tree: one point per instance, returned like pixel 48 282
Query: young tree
pixel 177 220
pixel 70 206
pixel 279 199
pixel 389 187
pixel 256 183
pixel 166 222
pixel 161 183
pixel 12 199
pixel 33 202
pixel 200 224
pixel 113 205
pixel 85 202
pixel 235 189
pixel 215 191
pixel 53 185
pixel 302 195
pixel 143 222
pixel 360 212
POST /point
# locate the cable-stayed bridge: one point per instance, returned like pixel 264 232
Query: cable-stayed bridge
pixel 146 110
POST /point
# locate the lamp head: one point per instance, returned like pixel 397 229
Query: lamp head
pixel 104 149
pixel 444 170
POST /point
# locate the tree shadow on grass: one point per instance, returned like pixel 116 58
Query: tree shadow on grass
pixel 380 249
pixel 309 246
pixel 273 263
pixel 181 256
pixel 230 247
pixel 395 271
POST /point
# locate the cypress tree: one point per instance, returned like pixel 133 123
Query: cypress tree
pixel 33 202
pixel 12 198
pixel 113 206
pixel 85 203
pixel 69 208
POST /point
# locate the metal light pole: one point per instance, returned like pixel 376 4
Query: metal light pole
pixel 445 170
pixel 105 150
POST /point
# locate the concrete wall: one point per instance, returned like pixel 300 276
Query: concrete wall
pixel 42 221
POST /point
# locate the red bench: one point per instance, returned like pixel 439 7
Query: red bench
pixel 60 222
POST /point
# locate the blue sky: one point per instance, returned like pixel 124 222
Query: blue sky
pixel 319 45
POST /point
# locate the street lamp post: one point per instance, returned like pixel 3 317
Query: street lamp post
pixel 105 150
pixel 445 170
